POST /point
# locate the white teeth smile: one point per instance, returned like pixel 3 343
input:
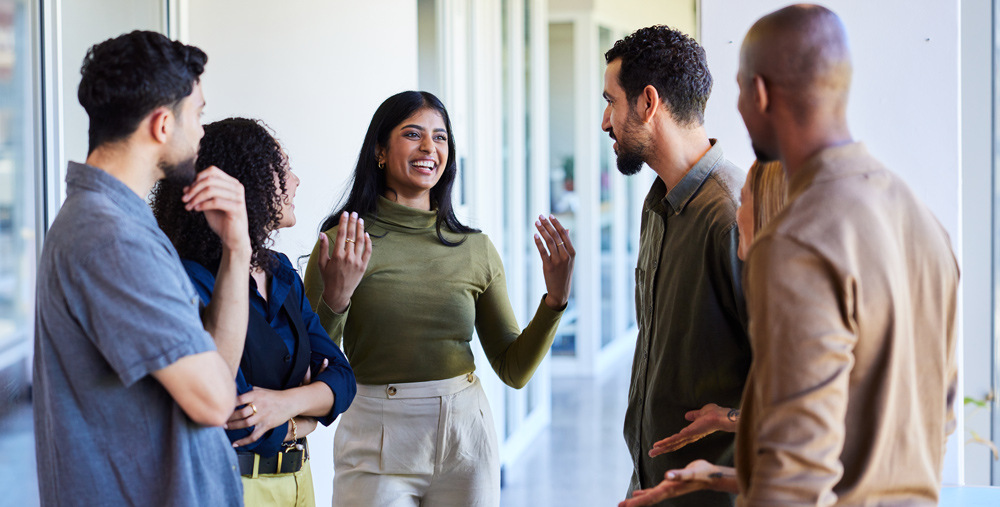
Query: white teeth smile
pixel 424 163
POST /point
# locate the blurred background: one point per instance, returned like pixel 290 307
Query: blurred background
pixel 522 80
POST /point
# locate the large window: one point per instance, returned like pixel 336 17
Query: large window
pixel 17 179
pixel 562 140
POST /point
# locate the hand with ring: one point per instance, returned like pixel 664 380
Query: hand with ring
pixel 262 409
pixel 557 252
pixel 344 265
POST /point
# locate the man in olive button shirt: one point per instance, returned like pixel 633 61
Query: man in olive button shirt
pixel 692 347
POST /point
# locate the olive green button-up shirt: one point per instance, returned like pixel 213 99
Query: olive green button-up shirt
pixel 692 347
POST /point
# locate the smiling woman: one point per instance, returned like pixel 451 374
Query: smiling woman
pixel 407 326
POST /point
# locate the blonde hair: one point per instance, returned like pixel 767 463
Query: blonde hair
pixel 769 190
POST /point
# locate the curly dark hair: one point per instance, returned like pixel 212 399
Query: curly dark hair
pixel 673 63
pixel 126 78
pixel 369 181
pixel 246 150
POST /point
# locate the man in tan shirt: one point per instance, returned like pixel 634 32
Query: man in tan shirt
pixel 851 293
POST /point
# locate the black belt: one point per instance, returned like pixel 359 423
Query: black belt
pixel 253 464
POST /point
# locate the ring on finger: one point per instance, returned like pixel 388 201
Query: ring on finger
pixel 349 240
pixel 561 243
pixel 253 408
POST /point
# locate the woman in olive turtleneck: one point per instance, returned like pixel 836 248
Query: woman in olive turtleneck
pixel 420 431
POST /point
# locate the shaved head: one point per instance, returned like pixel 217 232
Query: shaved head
pixel 801 51
pixel 794 78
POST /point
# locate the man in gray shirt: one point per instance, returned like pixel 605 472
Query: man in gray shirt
pixel 130 386
pixel 692 348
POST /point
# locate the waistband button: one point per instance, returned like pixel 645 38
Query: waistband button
pixel 391 391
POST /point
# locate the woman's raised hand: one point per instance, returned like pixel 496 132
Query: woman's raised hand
pixel 557 253
pixel 344 265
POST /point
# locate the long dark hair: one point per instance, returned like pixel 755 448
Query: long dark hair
pixel 246 150
pixel 369 181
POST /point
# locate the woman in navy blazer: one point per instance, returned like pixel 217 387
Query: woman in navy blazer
pixel 292 375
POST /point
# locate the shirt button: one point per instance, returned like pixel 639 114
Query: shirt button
pixel 654 264
pixel 194 300
pixel 391 391
pixel 288 358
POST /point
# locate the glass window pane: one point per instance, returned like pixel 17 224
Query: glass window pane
pixel 562 121
pixel 17 172
pixel 608 330
pixel 531 301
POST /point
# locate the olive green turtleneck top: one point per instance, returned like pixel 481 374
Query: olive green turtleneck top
pixel 412 316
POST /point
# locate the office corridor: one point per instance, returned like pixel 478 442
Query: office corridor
pixel 580 459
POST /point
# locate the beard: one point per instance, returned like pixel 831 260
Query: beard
pixel 630 160
pixel 630 156
pixel 181 173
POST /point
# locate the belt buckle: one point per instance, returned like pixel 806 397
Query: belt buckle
pixel 297 446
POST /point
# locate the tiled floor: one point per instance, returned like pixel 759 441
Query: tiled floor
pixel 580 460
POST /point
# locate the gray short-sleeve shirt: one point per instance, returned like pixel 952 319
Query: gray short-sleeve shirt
pixel 113 305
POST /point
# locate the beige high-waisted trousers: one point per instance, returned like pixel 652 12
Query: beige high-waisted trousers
pixel 417 444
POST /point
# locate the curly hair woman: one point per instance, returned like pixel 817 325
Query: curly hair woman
pixel 291 374
pixel 420 431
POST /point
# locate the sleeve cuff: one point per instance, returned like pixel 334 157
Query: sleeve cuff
pixel 183 349
pixel 343 395
pixel 333 322
pixel 547 313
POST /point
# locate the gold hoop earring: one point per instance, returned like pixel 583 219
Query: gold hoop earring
pixel 381 166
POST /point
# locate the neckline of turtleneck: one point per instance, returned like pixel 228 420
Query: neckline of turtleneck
pixel 404 216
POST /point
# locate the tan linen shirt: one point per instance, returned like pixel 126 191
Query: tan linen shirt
pixel 692 347
pixel 851 292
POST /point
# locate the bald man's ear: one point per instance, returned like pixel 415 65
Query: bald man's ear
pixel 649 103
pixel 760 96
pixel 161 121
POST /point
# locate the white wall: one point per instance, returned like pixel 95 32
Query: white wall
pixel 85 23
pixel 904 102
pixel 315 71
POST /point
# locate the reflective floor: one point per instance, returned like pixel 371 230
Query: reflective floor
pixel 18 484
pixel 581 459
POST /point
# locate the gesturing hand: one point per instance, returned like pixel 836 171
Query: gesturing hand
pixel 557 260
pixel 263 409
pixel 343 267
pixel 698 475
pixel 704 422
pixel 221 198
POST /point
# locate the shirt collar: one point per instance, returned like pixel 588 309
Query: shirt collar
pixel 404 216
pixel 679 196
pixel 282 276
pixel 83 177
pixel 827 164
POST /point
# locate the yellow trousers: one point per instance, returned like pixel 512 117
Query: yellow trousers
pixel 284 490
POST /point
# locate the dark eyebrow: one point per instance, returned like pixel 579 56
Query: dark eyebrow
pixel 412 126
